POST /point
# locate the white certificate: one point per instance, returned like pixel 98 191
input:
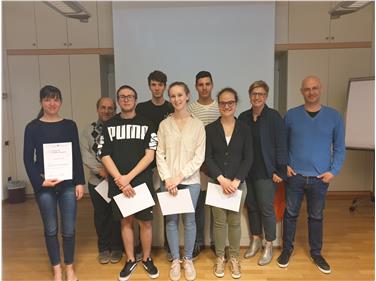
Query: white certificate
pixel 215 197
pixel 140 201
pixel 102 189
pixel 179 204
pixel 58 163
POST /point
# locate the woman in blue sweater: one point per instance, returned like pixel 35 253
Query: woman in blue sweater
pixel 51 194
pixel 268 168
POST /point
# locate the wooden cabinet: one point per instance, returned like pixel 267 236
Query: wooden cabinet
pixel 343 65
pixel 31 25
pixel 309 22
pixel 24 104
pixel 19 25
pixel 78 78
pixel 105 30
pixel 302 63
pixel 55 31
pixel 81 34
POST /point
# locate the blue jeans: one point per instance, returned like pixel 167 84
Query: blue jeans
pixel 48 200
pixel 189 222
pixel 315 190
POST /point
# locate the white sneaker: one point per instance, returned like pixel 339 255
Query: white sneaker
pixel 235 268
pixel 175 270
pixel 219 267
pixel 189 270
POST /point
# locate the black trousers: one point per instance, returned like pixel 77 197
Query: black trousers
pixel 108 230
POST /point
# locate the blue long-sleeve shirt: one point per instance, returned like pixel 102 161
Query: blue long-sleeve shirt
pixel 315 144
pixel 37 133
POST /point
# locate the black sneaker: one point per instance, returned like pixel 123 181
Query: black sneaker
pixel 283 259
pixel 321 264
pixel 127 270
pixel 150 268
pixel 196 251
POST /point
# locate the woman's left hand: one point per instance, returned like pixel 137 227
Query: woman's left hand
pixel 79 191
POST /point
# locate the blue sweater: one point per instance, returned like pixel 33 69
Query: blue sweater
pixel 315 145
pixel 36 134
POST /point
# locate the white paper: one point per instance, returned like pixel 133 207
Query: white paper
pixel 139 202
pixel 58 163
pixel 215 197
pixel 179 204
pixel 102 189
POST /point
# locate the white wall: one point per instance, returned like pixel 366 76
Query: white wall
pixel 234 41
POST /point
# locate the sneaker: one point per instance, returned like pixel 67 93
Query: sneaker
pixel 189 270
pixel 196 251
pixel 321 264
pixel 235 268
pixel 116 256
pixel 104 257
pixel 127 270
pixel 175 270
pixel 150 268
pixel 219 267
pixel 138 253
pixel 283 259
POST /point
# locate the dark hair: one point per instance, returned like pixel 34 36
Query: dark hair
pixel 181 84
pixel 228 89
pixel 102 98
pixel 258 84
pixel 48 91
pixel 126 87
pixel 203 74
pixel 158 76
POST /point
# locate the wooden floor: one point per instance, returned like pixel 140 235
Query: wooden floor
pixel 349 247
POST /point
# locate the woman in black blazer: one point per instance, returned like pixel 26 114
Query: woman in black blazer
pixel 228 159
pixel 268 169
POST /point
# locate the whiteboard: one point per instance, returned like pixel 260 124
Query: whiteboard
pixel 360 114
pixel 183 38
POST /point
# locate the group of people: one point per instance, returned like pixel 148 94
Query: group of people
pixel 178 145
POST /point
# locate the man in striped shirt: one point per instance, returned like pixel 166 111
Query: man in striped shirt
pixel 206 109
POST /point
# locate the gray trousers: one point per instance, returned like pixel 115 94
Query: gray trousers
pixel 260 205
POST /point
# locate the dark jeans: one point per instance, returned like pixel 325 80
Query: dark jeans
pixel 108 229
pixel 260 207
pixel 315 191
pixel 49 199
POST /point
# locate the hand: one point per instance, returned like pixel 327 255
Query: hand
pixel 128 191
pixel 51 183
pixel 276 178
pixel 103 173
pixel 122 181
pixel 225 184
pixel 326 177
pixel 290 172
pixel 79 191
pixel 171 185
pixel 234 185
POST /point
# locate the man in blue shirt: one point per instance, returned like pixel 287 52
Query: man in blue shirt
pixel 316 152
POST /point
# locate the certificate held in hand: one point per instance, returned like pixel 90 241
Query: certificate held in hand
pixel 58 163
pixel 179 204
pixel 139 202
pixel 215 197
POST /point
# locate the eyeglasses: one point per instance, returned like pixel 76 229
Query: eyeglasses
pixel 230 103
pixel 255 94
pixel 127 98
